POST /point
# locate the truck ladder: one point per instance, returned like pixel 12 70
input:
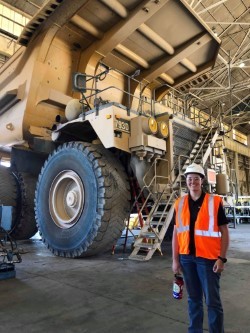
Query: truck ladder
pixel 154 229
pixel 156 221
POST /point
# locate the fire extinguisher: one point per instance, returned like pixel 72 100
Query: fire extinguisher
pixel 178 286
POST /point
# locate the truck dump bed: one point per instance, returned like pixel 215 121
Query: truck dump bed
pixel 161 43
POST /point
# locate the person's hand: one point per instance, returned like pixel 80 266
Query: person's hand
pixel 176 266
pixel 218 266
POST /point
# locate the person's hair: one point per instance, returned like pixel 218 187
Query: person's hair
pixel 195 173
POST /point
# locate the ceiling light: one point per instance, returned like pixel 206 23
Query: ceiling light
pixel 242 64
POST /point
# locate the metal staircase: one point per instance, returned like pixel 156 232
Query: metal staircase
pixel 160 198
pixel 203 147
pixel 201 152
pixel 154 229
pixel 158 220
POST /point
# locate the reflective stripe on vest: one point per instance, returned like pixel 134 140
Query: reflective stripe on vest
pixel 210 232
pixel 206 233
pixel 181 227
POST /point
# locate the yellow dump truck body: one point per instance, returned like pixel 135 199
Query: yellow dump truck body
pixel 162 40
pixel 78 111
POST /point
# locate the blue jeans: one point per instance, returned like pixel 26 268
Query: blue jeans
pixel 200 279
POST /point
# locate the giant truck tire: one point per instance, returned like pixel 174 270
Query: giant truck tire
pixel 82 199
pixel 25 225
pixel 18 190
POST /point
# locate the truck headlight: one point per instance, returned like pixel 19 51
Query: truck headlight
pixel 150 125
pixel 162 129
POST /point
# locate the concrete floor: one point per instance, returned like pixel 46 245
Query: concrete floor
pixel 109 293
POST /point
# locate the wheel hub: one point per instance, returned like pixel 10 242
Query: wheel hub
pixel 71 199
pixel 66 199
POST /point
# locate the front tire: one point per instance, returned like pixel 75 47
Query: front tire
pixel 82 200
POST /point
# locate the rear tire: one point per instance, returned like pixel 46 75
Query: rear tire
pixel 25 225
pixel 82 200
pixel 18 190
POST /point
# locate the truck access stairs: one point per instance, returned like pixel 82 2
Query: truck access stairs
pixel 160 198
pixel 201 153
pixel 158 220
pixel 203 147
pixel 155 227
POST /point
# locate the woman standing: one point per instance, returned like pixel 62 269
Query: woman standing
pixel 200 243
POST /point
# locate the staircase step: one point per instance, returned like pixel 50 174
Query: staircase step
pixel 144 254
pixel 156 223
pixel 155 214
pixel 150 235
pixel 143 245
pixel 159 214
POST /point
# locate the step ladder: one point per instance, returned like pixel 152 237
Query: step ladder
pixel 154 229
pixel 161 197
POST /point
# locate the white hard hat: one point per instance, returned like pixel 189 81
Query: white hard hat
pixel 195 168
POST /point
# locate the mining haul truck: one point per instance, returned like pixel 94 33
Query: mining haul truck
pixel 81 113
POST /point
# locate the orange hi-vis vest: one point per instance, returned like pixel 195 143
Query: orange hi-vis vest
pixel 207 235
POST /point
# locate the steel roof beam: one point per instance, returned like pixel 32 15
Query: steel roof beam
pixel 212 6
pixel 227 23
pixel 184 51
pixel 121 31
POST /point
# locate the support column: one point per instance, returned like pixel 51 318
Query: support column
pixel 248 140
pixel 231 135
pixel 236 167
pixel 247 173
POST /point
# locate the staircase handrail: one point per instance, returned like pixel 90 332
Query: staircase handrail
pixel 207 120
pixel 177 165
pixel 216 125
pixel 146 187
pixel 154 178
pixel 169 201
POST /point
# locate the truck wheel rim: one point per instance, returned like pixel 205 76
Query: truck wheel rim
pixel 66 199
